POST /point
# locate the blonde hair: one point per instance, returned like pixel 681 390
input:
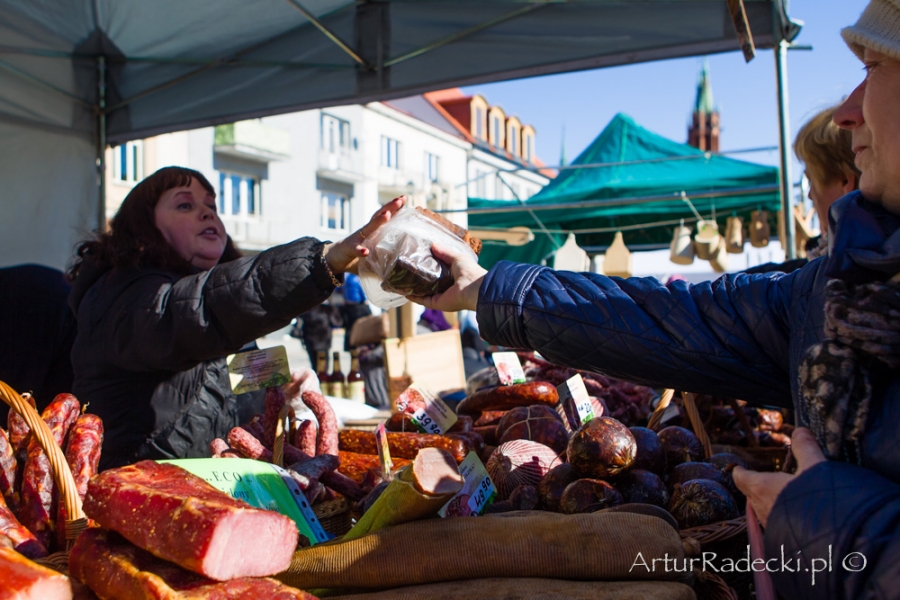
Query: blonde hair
pixel 826 149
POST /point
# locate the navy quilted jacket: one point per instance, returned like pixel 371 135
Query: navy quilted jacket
pixel 741 336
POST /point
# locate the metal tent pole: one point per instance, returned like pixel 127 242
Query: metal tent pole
pixel 101 143
pixel 784 143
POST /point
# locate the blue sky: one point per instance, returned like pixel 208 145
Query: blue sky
pixel 660 95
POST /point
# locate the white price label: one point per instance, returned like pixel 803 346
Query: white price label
pixel 426 423
pixel 573 394
pixel 478 491
pixel 483 495
pixel 509 368
pixel 426 410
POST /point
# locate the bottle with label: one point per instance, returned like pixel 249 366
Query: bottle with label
pixel 356 385
pixel 322 371
pixel 336 381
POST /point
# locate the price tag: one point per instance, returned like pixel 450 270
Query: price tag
pixel 384 451
pixel 428 412
pixel 509 369
pixel 257 369
pixel 575 402
pixel 477 493
pixel 259 484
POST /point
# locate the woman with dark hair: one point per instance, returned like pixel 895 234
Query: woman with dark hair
pixel 164 296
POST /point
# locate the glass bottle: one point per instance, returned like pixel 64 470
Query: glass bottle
pixel 336 380
pixel 322 371
pixel 356 386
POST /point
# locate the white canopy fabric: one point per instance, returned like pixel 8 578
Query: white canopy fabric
pixel 170 65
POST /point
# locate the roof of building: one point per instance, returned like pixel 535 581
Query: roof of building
pixel 429 108
pixel 704 101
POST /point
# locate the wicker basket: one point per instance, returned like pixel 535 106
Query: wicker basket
pixel 62 475
pixel 334 516
pixel 725 538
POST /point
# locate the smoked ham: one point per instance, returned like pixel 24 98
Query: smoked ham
pixel 181 518
pixel 114 568
pixel 23 579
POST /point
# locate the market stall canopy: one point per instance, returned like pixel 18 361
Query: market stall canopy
pixel 632 180
pixel 77 71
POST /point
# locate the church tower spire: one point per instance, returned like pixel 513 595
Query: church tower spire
pixel 704 130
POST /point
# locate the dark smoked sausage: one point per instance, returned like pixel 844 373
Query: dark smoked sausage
pixel 327 438
pixel 275 400
pixel 9 491
pixel 38 488
pixel 83 457
pixel 305 437
pixel 16 536
pixel 505 397
pixel 404 445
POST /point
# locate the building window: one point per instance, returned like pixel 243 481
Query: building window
pixel 498 131
pixel 335 208
pixel 480 184
pixel 238 195
pixel 479 123
pixel 128 161
pixel 514 141
pixel 431 167
pixel 390 152
pixel 528 147
pixel 335 134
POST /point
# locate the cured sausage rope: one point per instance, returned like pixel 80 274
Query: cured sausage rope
pixel 38 497
pixel 83 457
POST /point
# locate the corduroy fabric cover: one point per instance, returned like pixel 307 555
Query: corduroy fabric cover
pixel 585 547
pixel 535 589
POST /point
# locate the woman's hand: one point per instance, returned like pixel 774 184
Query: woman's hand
pixel 343 256
pixel 762 489
pixel 467 276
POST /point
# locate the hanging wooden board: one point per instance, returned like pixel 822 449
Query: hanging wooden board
pixel 618 261
pixel 432 359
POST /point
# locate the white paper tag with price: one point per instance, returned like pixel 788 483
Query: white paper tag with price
pixel 477 493
pixel 574 398
pixel 427 411
pixel 509 367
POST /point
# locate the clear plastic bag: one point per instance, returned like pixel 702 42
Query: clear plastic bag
pixel 400 262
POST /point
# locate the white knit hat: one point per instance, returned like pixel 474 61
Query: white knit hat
pixel 878 29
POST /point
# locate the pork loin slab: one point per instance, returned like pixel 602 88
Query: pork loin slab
pixel 24 579
pixel 179 517
pixel 115 569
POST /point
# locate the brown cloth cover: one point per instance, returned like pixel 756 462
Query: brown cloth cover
pixel 535 589
pixel 586 547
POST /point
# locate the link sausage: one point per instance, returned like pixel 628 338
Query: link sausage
pixel 404 445
pixel 509 396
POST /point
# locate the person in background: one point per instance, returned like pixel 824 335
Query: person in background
pixel 164 296
pixel 827 152
pixel 37 330
pixel 432 321
pixel 354 307
pixel 823 340
pixel 315 328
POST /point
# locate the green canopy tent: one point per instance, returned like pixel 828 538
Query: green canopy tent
pixel 632 180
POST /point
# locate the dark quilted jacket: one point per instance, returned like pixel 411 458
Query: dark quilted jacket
pixel 741 336
pixel 151 346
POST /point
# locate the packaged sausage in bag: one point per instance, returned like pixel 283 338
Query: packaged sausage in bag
pixel 400 262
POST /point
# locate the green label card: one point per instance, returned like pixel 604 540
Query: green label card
pixel 257 369
pixel 259 484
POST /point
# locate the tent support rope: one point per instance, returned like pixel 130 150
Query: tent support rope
pixel 328 33
pixel 48 86
pixel 540 223
pixel 463 34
